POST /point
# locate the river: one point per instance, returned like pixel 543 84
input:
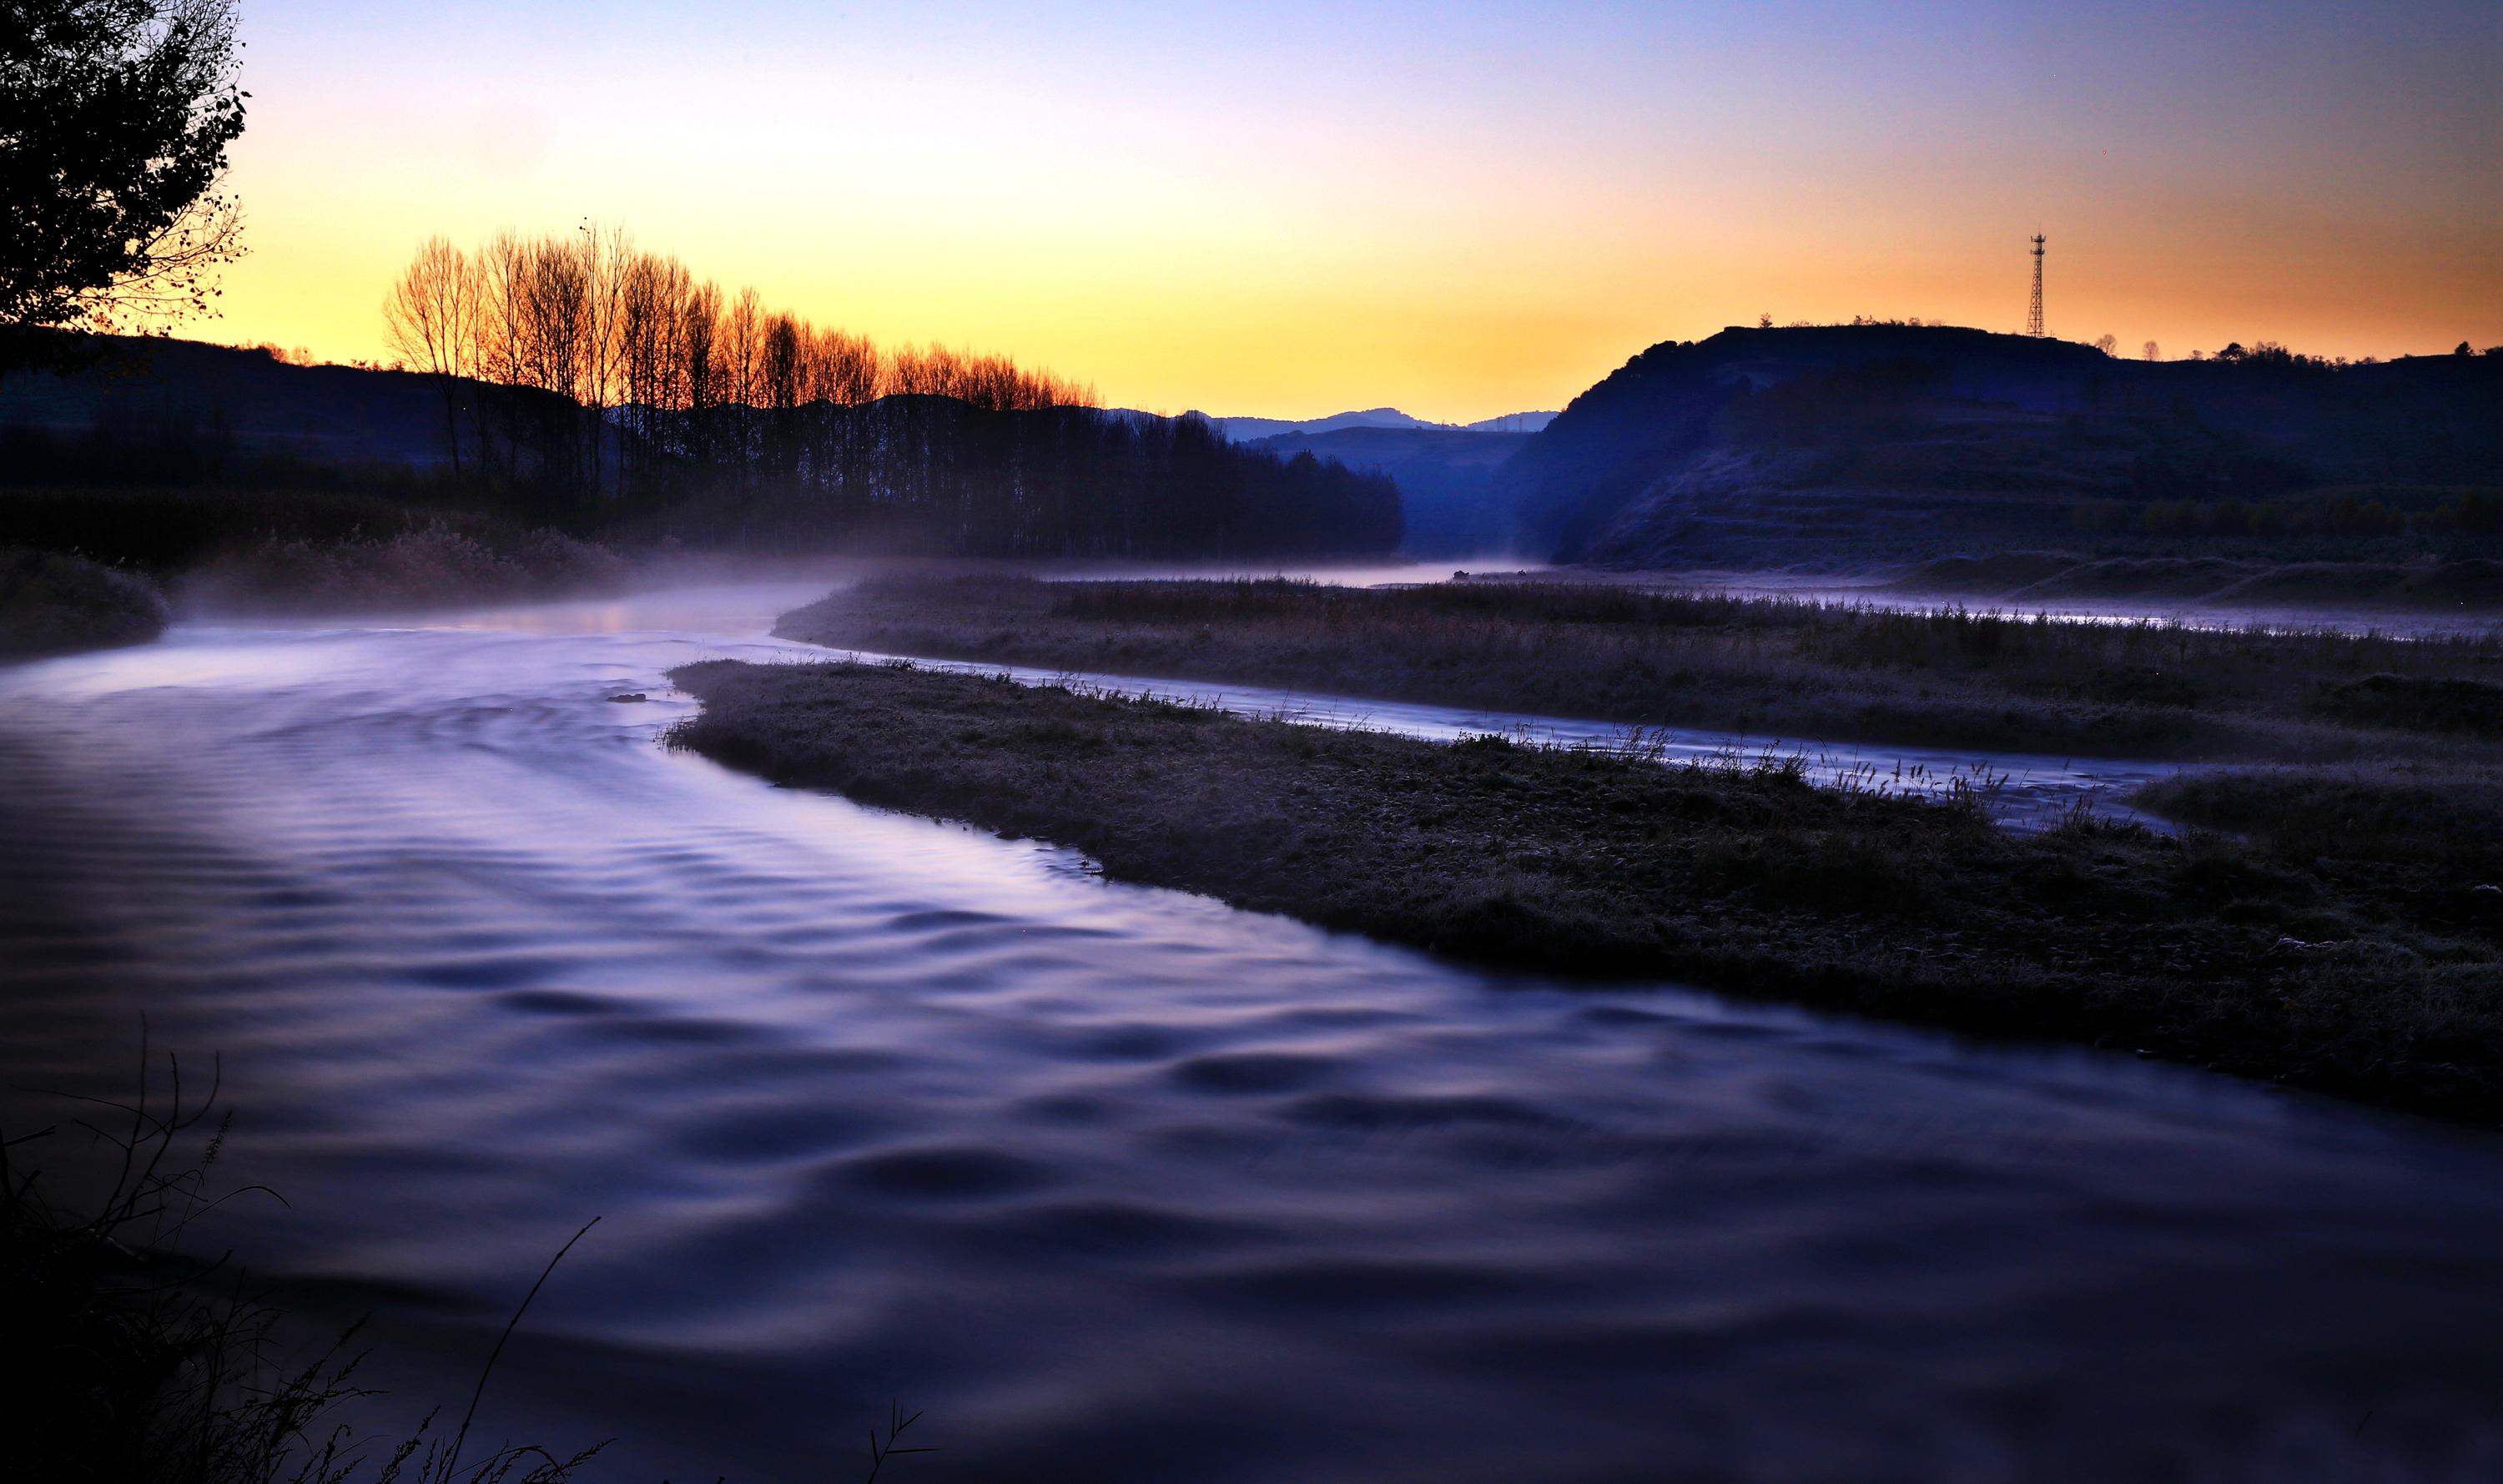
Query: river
pixel 1121 1184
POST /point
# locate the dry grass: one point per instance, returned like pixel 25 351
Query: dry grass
pixel 284 547
pixel 149 1366
pixel 432 566
pixel 139 1364
pixel 1800 670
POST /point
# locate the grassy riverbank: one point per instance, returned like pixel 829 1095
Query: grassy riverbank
pixel 2369 973
pixel 1800 670
pixel 261 550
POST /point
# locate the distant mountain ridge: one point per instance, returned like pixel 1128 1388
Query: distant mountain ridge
pixel 1446 478
pixel 1250 429
pixel 1445 471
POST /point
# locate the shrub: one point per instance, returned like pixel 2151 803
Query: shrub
pixel 51 604
pixel 435 564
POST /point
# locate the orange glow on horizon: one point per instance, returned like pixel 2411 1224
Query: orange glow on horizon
pixel 1185 229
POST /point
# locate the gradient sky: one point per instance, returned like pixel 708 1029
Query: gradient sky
pixel 1460 210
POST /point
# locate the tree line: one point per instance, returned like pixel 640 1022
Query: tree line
pixel 590 373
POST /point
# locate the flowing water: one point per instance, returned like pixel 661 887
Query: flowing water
pixel 1121 1184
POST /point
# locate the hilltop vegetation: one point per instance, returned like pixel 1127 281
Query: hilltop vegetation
pixel 1852 446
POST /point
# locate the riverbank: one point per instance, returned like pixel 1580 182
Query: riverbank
pixel 2365 974
pixel 306 551
pixel 1797 669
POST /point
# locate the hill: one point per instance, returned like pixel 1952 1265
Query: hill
pixel 135 396
pixel 1448 503
pixel 1253 429
pixel 1850 446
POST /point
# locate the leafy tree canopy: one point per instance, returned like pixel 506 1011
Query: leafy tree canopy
pixel 114 117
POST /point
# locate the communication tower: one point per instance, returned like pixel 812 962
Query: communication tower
pixel 2034 316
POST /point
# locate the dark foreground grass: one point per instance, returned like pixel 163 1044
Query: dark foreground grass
pixel 1800 670
pixel 2362 974
pixel 136 1363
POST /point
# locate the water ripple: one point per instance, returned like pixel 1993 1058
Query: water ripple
pixel 1122 1184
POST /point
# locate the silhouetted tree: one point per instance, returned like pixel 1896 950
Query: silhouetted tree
pixel 427 318
pixel 114 117
pixel 735 416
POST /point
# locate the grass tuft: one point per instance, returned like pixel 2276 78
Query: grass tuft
pixel 139 1364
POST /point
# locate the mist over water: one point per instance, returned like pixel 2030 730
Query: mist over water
pixel 1122 1184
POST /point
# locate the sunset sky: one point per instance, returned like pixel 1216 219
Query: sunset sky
pixel 1460 210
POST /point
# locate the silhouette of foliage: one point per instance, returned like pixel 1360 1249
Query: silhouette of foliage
pixel 115 118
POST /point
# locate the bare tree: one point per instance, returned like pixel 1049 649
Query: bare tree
pixel 2151 351
pixel 700 352
pixel 847 367
pixel 503 267
pixel 2108 344
pixel 742 345
pixel 647 329
pixel 605 254
pixel 590 365
pixel 781 380
pixel 427 318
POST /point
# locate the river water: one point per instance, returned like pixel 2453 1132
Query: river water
pixel 1121 1184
